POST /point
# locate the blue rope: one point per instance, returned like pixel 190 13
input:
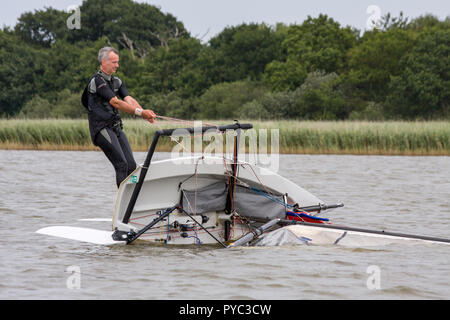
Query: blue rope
pixel 265 194
pixel 168 229
pixel 196 237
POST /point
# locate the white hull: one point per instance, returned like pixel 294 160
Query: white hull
pixel 323 235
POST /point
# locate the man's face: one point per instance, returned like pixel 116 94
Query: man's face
pixel 111 63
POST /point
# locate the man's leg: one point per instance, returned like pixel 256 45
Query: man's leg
pixel 109 143
pixel 128 153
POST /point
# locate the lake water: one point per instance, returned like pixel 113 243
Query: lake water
pixel 403 194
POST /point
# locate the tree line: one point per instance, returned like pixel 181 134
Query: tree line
pixel 316 70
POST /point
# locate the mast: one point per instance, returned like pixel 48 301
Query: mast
pixel 232 181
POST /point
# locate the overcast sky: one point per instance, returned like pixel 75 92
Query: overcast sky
pixel 206 18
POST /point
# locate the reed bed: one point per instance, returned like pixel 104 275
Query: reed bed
pixel 348 137
pixel 298 137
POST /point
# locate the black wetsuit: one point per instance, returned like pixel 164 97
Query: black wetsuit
pixel 105 125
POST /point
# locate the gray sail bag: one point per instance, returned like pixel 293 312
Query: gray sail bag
pixel 207 199
pixel 249 203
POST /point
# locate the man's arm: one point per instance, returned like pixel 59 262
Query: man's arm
pixel 130 105
pixel 132 101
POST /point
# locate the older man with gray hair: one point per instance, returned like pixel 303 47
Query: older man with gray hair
pixel 103 97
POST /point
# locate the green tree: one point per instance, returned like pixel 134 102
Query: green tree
pixel 42 27
pixel 37 107
pixel 373 62
pixel 61 68
pixel 243 51
pixel 165 69
pixel 21 69
pixel 224 100
pixel 320 98
pixel 172 105
pixel 320 44
pixel 427 22
pixel 68 105
pixel 282 76
pixel 422 89
pixel 317 44
pixel 132 25
pixel 65 105
pixel 272 105
pixel 142 25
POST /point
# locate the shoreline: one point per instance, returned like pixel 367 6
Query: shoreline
pixel 287 151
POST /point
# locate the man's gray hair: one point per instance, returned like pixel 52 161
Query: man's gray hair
pixel 104 52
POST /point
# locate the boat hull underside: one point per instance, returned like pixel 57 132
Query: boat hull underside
pixel 162 189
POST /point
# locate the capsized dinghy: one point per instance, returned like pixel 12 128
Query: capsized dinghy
pixel 218 200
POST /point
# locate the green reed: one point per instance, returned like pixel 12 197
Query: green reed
pixel 367 137
pixel 346 137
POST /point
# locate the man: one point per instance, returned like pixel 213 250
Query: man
pixel 101 98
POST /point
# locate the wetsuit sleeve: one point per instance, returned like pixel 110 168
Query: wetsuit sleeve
pixel 103 89
pixel 123 92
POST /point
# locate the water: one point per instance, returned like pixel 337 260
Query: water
pixel 406 194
